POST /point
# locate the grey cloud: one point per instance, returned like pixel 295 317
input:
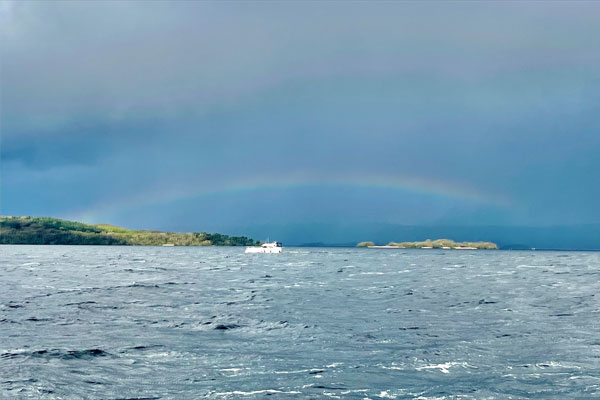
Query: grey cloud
pixel 164 95
pixel 117 59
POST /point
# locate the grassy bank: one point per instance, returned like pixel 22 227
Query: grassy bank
pixel 44 230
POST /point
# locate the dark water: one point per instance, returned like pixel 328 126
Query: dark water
pixel 188 323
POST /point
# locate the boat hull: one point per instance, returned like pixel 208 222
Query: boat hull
pixel 263 250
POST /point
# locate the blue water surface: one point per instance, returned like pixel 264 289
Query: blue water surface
pixel 79 322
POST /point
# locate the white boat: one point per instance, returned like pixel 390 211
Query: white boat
pixel 266 248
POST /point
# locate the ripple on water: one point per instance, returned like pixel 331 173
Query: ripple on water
pixel 131 322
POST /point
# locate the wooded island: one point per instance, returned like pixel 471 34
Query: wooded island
pixel 434 244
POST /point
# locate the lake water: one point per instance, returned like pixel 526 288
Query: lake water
pixel 188 323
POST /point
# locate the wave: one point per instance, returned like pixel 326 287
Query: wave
pixel 58 354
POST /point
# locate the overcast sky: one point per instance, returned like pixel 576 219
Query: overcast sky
pixel 215 116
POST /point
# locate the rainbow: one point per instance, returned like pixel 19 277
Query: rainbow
pixel 412 185
pixel 166 192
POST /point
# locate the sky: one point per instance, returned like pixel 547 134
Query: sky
pixel 262 117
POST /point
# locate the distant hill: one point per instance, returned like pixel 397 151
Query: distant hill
pixel 43 230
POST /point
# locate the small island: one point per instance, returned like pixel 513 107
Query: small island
pixel 433 244
pixel 44 230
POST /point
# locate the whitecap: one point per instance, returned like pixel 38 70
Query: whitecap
pixel 335 364
pixel 253 392
pixel 393 368
pixel 354 391
pixel 443 367
pixel 31 264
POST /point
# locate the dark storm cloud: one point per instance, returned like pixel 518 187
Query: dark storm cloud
pixel 118 105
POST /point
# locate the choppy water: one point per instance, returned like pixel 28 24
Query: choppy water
pixel 188 323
